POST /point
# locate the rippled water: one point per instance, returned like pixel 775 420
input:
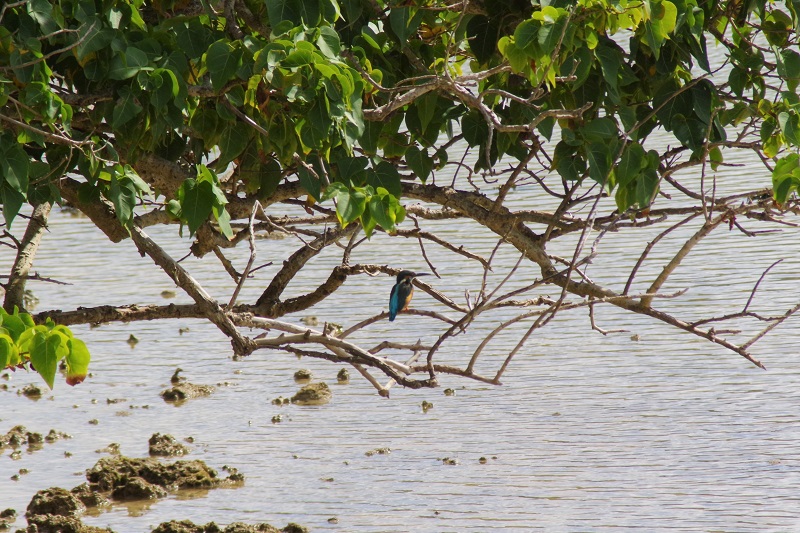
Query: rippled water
pixel 588 432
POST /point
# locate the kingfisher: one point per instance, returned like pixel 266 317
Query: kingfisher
pixel 402 292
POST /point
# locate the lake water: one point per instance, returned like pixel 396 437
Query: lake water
pixel 587 433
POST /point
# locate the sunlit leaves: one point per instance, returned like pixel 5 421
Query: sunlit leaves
pixel 43 346
pixel 372 204
pixel 350 205
pixel 663 17
pixel 786 177
pixel 77 361
pixel 124 188
pixel 385 209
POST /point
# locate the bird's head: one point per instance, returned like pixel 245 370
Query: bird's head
pixel 408 276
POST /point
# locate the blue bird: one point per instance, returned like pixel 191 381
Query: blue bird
pixel 402 292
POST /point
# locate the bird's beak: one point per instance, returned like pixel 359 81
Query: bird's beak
pixel 421 274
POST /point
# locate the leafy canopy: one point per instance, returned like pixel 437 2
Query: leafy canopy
pixel 193 109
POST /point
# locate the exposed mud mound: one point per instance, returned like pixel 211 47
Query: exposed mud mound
pixel 112 474
pixel 186 391
pixel 166 446
pixel 313 394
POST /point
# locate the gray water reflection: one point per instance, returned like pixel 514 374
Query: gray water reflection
pixel 587 433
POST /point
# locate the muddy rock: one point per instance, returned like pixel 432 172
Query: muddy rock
pixel 88 497
pixel 187 526
pixel 114 473
pixel 303 375
pixel 16 437
pixel 7 518
pixel 56 435
pixel 55 501
pixel 32 391
pixel 61 524
pixel 166 446
pixel 186 391
pixel 138 489
pixel 313 394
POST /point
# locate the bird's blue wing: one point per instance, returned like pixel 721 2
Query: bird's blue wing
pixel 394 303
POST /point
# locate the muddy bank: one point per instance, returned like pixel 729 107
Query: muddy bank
pixel 187 526
pixel 124 479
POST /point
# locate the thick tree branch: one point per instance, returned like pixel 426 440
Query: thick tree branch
pixel 26 251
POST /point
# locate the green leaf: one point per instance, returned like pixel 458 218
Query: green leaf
pixel 77 361
pixel 223 220
pixel 647 184
pixel 420 162
pixel 790 127
pixel 630 164
pixel 474 128
pixel 426 108
pixel 789 68
pixel 372 133
pixel 784 179
pixel 122 194
pixel 351 169
pixel 14 167
pixel 385 210
pixel 314 130
pixel 671 101
pixel 385 175
pixel 193 38
pixel 126 108
pixel 8 351
pixel 197 202
pixel 310 183
pixel 516 56
pixel 600 130
pixel 92 37
pixel 280 10
pixel 14 325
pixel 599 159
pixel 232 143
pixel 261 178
pixel 367 221
pixel 715 158
pixel 738 79
pixel 222 61
pixel 350 205
pixel 404 22
pixel 482 36
pixel 298 58
pixel 610 60
pixel 309 12
pixel 127 65
pixel 567 162
pixel 526 36
pixel 329 43
pixel 46 351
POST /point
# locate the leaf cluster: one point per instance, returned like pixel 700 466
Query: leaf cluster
pixel 41 347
